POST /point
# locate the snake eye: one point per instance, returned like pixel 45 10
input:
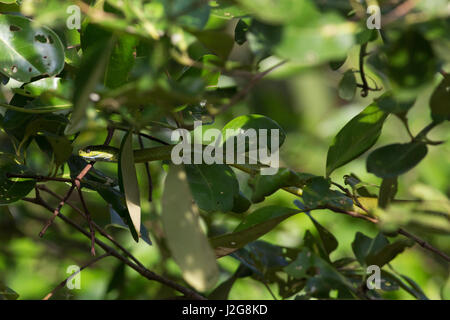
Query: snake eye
pixel 88 150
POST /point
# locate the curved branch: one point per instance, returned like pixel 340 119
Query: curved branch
pixel 150 275
pixel 63 283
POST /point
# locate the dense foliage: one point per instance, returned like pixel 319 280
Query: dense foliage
pixel 363 121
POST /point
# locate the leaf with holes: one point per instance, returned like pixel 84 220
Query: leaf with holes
pixel 28 51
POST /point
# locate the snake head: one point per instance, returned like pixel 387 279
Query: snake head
pixel 98 153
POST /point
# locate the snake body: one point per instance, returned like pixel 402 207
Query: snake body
pixel 111 154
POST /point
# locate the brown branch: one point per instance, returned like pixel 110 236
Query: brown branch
pixel 96 226
pixel 423 244
pixel 76 184
pixel 140 134
pixel 109 136
pixel 365 85
pixel 400 11
pixel 63 283
pixel 150 275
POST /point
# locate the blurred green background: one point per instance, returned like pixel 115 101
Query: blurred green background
pixel 307 106
pixel 305 102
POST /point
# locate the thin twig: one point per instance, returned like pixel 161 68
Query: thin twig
pixel 56 211
pixel 141 134
pixel 365 85
pixel 96 226
pixel 63 283
pixel 423 244
pixel 75 184
pixel 143 271
pixel 400 11
pixel 109 136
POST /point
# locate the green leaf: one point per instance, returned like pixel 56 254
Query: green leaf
pixel 355 138
pixel 120 62
pixel 223 290
pixel 388 189
pixel 91 71
pixel 395 159
pixel 317 193
pixel 240 32
pixel 300 266
pixel 255 225
pixel 347 86
pixel 329 241
pixel 388 102
pixel 328 37
pixel 14 189
pixel 240 203
pixel 187 242
pixel 252 121
pixel 118 278
pixel 117 200
pixel 263 38
pixel 7 293
pixel 364 246
pixel 439 101
pixel 117 221
pixel 281 11
pixel 218 42
pixel 377 251
pixel 226 9
pixel 366 35
pixel 265 185
pixel 415 291
pixel 188 13
pixel 411 62
pixel 265 214
pixel 210 77
pixel 128 181
pixel 62 148
pixel 28 51
pixel 36 88
pixel 388 252
pixel 213 186
pixel 337 64
pixel 322 276
pixel 11 7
